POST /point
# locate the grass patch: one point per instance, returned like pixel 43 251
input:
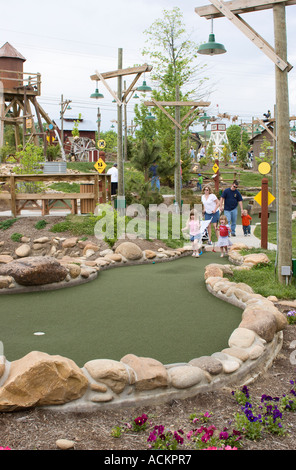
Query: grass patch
pixel 272 235
pixel 263 278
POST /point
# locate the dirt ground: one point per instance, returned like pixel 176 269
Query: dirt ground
pixel 39 429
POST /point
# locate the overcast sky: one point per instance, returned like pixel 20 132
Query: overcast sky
pixel 67 41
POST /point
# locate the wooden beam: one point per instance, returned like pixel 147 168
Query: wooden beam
pixel 251 34
pixel 267 129
pixel 122 72
pixel 240 6
pixel 179 103
pixel 98 74
pixel 156 103
pixel 130 88
pixel 272 120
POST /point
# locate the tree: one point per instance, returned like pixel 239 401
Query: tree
pixel 236 136
pixel 147 154
pixel 173 56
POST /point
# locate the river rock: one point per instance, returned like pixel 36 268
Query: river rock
pixel 114 374
pixel 185 376
pixel 23 250
pixel 5 282
pixel 150 373
pixel 35 271
pixel 208 364
pixel 39 379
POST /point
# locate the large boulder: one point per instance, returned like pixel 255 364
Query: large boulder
pixel 129 250
pixel 39 379
pixel 34 271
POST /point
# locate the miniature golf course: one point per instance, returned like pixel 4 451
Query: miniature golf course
pixel 160 310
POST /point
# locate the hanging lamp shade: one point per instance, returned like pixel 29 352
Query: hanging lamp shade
pixel 211 47
pixel 150 117
pixel 293 129
pixel 204 118
pixel 97 94
pixel 136 96
pixel 144 87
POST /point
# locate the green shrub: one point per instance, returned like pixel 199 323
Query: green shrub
pixel 16 237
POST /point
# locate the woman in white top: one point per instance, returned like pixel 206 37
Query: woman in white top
pixel 210 204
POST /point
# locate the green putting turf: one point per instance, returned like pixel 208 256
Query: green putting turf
pixel 160 310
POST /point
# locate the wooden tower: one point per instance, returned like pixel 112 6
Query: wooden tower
pixel 18 96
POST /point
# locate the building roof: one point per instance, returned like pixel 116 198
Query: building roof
pixel 84 124
pixel 7 50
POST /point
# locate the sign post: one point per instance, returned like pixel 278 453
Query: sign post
pixel 264 198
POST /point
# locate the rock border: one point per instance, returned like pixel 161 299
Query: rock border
pixel 56 382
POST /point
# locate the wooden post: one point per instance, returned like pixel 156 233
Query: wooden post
pixel 12 193
pixel 178 153
pixel 119 130
pixel 217 178
pixel 264 213
pixel 284 205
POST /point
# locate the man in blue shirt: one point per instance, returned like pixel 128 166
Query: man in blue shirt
pixel 231 198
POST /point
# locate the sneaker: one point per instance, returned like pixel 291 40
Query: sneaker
pixel 233 235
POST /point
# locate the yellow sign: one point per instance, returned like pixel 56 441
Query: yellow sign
pixel 215 168
pixel 264 168
pixel 100 165
pixel 258 198
pixel 28 123
pixel 101 144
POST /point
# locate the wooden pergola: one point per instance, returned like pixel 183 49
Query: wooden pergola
pixel 121 97
pixel 232 11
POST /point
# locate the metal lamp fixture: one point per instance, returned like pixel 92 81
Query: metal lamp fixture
pixel 211 47
pixel 96 94
pixel 144 87
pixel 204 118
pixel 150 117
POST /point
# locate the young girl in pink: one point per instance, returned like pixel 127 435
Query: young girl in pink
pixel 193 226
pixel 224 231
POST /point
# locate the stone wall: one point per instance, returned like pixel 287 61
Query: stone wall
pixel 39 379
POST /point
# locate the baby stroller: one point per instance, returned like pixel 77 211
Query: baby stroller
pixel 204 230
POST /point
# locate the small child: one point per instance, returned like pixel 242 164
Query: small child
pixel 246 220
pixel 193 226
pixel 224 231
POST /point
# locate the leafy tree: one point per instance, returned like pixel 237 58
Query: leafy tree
pixel 173 56
pixel 236 136
pixel 110 137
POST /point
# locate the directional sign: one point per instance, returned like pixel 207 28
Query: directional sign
pixel 215 168
pixel 101 144
pixel 100 165
pixel 258 198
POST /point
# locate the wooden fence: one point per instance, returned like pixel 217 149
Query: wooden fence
pixel 94 189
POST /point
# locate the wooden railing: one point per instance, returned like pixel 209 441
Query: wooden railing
pixel 97 190
pixel 16 80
